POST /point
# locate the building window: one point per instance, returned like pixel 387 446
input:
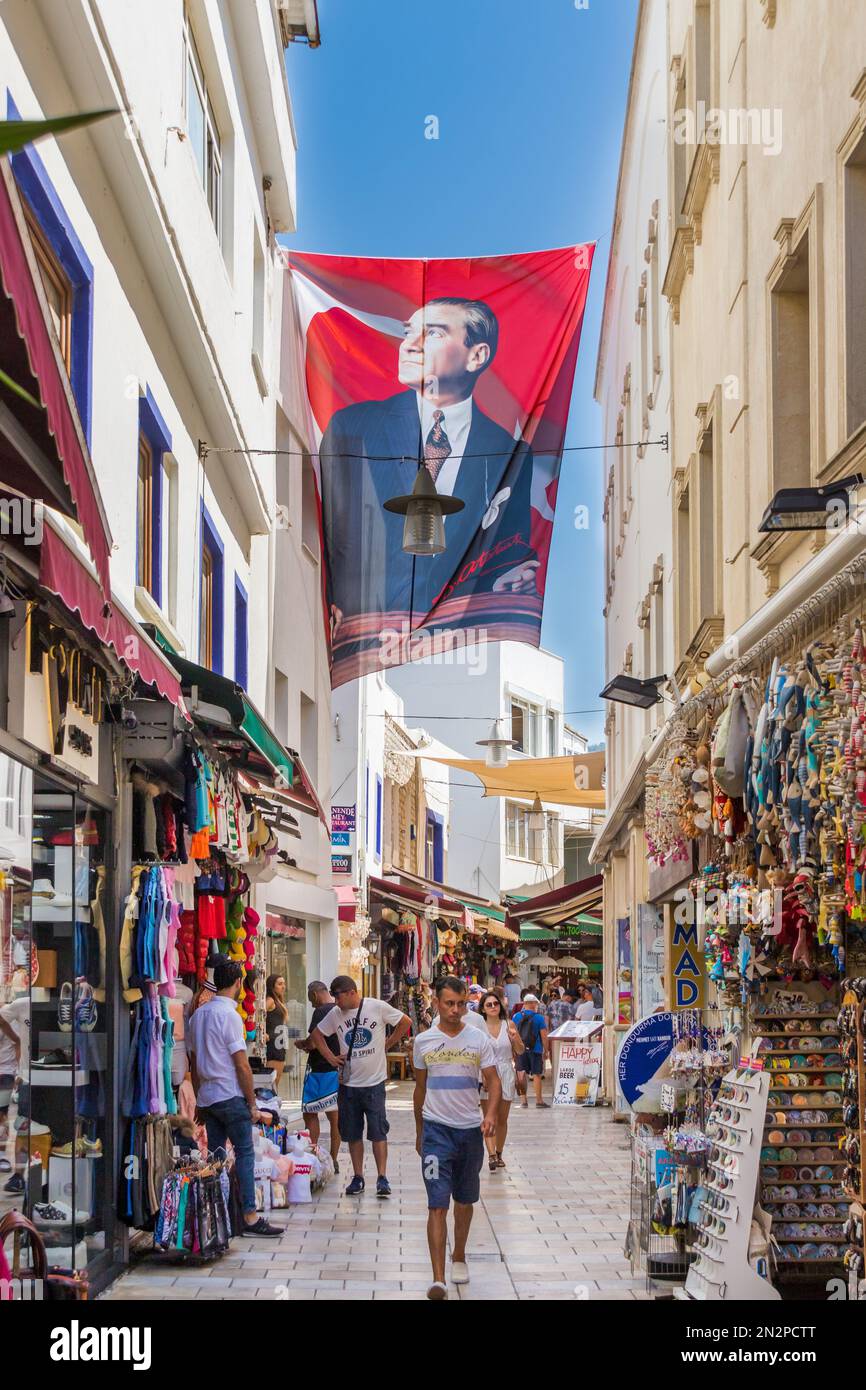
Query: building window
pixel 144 527
pixel 65 270
pixel 708 540
pixel 516 830
pixel 433 848
pixel 310 738
pixel 683 584
pixel 210 632
pixel 55 282
pixel 855 287
pixel 525 727
pixel 552 855
pixel 378 814
pixel 153 502
pixel 309 508
pixel 202 129
pixel 791 372
pixel 553 748
pixel 241 637
pixel 258 343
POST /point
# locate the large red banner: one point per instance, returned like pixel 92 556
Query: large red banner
pixel 464 367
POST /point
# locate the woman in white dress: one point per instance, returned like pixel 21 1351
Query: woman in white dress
pixel 507 1044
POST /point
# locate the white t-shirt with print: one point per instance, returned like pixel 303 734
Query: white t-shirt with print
pixel 368 1066
pixel 16 1014
pixel 453 1066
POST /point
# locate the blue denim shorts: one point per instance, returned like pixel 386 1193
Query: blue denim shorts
pixel 532 1063
pixel 354 1103
pixel 451 1162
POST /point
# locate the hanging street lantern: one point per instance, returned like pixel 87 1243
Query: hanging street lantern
pixel 497 745
pixel 424 509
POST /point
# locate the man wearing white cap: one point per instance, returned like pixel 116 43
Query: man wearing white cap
pixel 531 1024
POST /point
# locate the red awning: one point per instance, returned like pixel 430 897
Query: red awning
pixel 31 357
pixel 66 574
pixel 416 898
pixel 557 906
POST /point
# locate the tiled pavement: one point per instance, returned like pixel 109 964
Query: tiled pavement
pixel 549 1226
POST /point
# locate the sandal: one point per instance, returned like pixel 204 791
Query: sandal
pixel 492 1164
pixel 500 1161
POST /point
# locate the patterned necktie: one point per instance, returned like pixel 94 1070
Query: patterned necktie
pixel 437 447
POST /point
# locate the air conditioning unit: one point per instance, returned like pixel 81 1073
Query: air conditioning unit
pixel 299 22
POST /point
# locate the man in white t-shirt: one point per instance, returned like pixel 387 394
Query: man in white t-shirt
pixel 586 1008
pixel 360 1024
pixel 450 1060
pixel 14 1062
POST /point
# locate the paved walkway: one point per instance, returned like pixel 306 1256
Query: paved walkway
pixel 550 1225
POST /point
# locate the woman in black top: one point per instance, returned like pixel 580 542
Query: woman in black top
pixel 276 1021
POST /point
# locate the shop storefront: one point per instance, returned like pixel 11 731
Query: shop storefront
pixel 746 1093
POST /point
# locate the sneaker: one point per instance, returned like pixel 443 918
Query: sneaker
pixel 262 1228
pixel 57 1214
pixel 383 1187
pixel 64 1008
pixel 15 1184
pixel 85 1007
pixel 356 1187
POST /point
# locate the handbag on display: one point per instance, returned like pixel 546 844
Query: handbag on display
pixel 59 1286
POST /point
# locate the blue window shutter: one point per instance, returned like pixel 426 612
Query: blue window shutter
pixel 378 815
pixel 241 634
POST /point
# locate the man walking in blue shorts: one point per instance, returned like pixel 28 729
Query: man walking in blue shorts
pixel 450 1060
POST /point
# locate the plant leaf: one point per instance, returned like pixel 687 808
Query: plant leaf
pixel 19 390
pixel 14 135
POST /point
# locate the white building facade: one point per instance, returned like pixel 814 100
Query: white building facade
pixel 156 233
pixel 633 388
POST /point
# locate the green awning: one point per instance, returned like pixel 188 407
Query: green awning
pixel 582 925
pixel 232 721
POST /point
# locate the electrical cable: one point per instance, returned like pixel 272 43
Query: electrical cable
pixel 205 449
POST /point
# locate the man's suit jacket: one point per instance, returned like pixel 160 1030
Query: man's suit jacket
pixel 369 453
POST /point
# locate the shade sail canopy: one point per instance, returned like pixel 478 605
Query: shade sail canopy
pixel 560 905
pixel 43 452
pixel 576 780
pixel 66 572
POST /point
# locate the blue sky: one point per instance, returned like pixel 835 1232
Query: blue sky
pixel 530 96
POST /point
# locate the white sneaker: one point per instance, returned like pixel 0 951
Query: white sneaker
pixel 57 1214
pixel 459 1272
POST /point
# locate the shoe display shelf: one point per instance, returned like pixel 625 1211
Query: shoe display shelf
pixel 721 1270
pixel 803 1175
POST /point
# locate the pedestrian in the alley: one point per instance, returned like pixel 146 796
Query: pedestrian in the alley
pixel 475 995
pixel 586 1007
pixel 276 1025
pixel 359 1025
pixel 512 992
pixel 531 1024
pixel 450 1060
pixel 223 1085
pixel 559 1010
pixel 321 1081
pixel 507 1046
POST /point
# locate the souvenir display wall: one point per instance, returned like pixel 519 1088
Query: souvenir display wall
pixel 768 785
pixel 853 1044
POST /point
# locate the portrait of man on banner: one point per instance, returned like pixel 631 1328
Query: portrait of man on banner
pixel 434 389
